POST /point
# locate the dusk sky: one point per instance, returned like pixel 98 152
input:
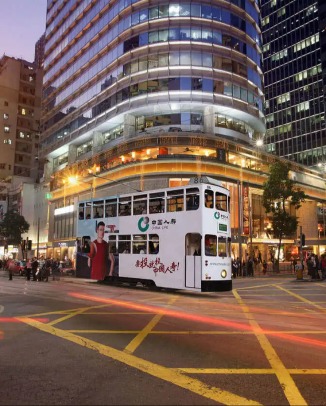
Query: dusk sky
pixel 22 22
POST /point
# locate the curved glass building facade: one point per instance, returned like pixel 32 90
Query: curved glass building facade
pixel 120 69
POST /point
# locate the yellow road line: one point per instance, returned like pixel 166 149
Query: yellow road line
pixel 73 314
pixel 288 385
pixel 302 299
pixel 136 341
pixel 173 377
pixel 248 371
pixel 104 331
pixel 258 286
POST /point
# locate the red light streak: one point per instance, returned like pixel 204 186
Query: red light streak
pixel 201 319
pixel 14 320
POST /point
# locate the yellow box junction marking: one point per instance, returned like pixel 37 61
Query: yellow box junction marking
pixel 171 376
pixel 135 343
pixel 302 299
pixel 288 385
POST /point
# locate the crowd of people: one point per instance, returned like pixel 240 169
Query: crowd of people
pixel 314 265
pixel 37 270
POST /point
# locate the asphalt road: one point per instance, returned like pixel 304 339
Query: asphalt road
pixel 72 342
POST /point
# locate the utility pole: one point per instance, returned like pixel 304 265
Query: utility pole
pixel 38 237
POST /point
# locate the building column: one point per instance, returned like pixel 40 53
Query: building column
pixel 97 140
pixel 129 125
pixel 209 120
pixel 72 154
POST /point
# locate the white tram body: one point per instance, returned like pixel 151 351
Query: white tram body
pixel 178 238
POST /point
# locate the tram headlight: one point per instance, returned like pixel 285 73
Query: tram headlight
pixel 224 273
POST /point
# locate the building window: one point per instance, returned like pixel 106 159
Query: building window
pixel 2 166
pixel 6 129
pixel 23 112
pixel 7 141
pixel 5 116
pixel 6 103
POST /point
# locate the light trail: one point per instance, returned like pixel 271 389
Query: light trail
pixel 200 319
pixel 14 320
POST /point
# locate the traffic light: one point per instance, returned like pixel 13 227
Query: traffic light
pixel 29 245
pixel 303 240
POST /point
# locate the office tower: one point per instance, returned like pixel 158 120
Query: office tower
pixel 116 71
pixel 20 109
pixel 295 108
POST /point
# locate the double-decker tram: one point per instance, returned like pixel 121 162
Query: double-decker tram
pixel 177 238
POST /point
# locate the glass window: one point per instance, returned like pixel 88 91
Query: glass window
pixel 185 58
pixel 195 34
pixel 192 199
pixel 81 211
pixel 184 10
pixel 143 15
pixel 209 197
pixel 175 200
pixel 195 58
pixel 157 202
pixel 140 204
pixel 88 210
pixel 124 244
pixel 206 12
pixel 153 244
pixel 210 245
pixel 125 206
pixel 174 34
pixel 163 35
pixel 152 37
pixel 185 33
pixel 195 10
pixel 98 209
pixel 163 11
pixel 222 248
pixel 111 208
pixel 139 244
pixel 221 201
pixel 153 13
pixel 185 83
pixel 174 58
pixel 174 10
pixel 112 241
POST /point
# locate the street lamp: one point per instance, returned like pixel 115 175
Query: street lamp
pixel 74 180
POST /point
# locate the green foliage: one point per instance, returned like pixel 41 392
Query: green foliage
pixel 280 193
pixel 13 226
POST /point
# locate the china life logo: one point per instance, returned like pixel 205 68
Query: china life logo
pixel 143 224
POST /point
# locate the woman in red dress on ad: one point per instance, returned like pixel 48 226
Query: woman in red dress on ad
pixel 98 256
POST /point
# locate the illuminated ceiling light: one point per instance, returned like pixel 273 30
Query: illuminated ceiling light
pixel 148 151
pixel 122 158
pixel 206 153
pixel 133 154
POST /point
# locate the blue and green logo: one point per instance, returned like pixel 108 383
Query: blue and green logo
pixel 217 215
pixel 143 224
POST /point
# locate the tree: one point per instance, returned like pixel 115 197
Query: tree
pixel 13 226
pixel 280 194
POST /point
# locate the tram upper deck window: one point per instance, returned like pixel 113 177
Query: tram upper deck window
pixel 157 202
pixel 175 200
pixel 88 210
pixel 209 198
pixel 110 207
pixel 221 201
pixel 81 211
pixel 125 206
pixel 140 204
pixel 210 245
pixel 98 209
pixel 192 198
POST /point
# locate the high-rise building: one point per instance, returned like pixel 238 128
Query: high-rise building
pixel 20 110
pixel 39 52
pixel 295 108
pixel 115 71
